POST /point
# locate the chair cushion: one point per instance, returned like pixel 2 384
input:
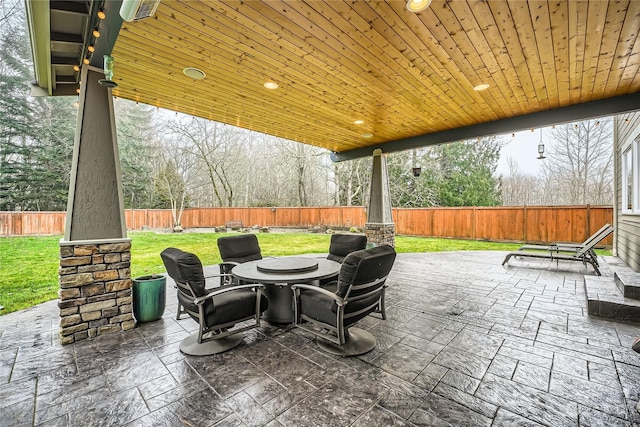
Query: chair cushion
pixel 322 308
pixel 240 248
pixel 343 244
pixel 185 267
pixel 367 265
pixel 232 306
pixel 317 307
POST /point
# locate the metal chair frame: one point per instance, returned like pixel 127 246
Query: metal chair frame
pixel 220 330
pixel 341 334
pixel 228 279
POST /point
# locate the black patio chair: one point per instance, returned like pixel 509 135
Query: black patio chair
pixel 343 244
pixel 212 281
pixel 216 311
pixel 236 250
pixel 330 312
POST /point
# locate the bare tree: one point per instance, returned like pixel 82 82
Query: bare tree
pixel 520 189
pixel 351 180
pixel 305 176
pixel 578 168
pixel 410 189
pixel 217 146
pixel 176 176
pixel 9 9
pixel 265 177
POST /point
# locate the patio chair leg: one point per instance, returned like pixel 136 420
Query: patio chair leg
pixel 180 311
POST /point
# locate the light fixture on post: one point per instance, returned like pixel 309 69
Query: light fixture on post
pixel 541 148
pixel 108 73
pixel 416 6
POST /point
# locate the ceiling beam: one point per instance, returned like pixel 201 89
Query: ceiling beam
pixel 70 7
pixel 66 38
pixel 572 113
pixel 63 60
pixel 112 24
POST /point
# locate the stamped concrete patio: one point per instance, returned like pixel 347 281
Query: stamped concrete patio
pixel 466 343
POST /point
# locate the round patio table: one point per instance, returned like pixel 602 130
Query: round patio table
pixel 278 273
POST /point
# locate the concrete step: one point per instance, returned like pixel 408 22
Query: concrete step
pixel 627 280
pixel 605 299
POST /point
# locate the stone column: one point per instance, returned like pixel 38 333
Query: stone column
pixel 380 228
pixel 95 289
pixel 95 253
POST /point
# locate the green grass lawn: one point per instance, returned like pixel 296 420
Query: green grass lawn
pixel 29 265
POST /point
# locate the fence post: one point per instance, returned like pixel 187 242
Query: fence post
pixel 432 215
pixel 524 224
pixel 473 224
pixel 587 232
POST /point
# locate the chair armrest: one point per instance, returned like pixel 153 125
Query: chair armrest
pixel 225 289
pixel 225 278
pixel 338 299
pixel 219 275
pixel 232 263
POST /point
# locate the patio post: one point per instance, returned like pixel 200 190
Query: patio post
pixel 379 228
pixel 95 253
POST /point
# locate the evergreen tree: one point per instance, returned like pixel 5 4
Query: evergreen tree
pixel 136 139
pixel 467 173
pixel 36 135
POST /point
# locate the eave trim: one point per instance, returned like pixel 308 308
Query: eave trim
pixel 38 22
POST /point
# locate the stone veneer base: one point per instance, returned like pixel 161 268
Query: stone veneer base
pixel 95 288
pixel 380 234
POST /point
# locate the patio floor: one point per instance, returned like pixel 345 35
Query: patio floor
pixel 466 343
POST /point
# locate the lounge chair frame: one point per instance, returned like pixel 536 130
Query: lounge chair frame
pixel 573 247
pixel 586 254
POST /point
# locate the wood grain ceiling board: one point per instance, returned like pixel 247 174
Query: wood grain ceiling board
pixel 404 74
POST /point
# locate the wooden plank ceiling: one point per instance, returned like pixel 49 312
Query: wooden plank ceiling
pixel 403 74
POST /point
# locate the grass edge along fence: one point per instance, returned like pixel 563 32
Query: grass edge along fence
pixel 533 224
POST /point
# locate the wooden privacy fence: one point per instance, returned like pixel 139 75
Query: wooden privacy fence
pixel 533 224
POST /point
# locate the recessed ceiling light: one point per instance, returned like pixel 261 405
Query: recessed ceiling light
pixel 194 73
pixel 367 135
pixel 358 122
pixel 480 87
pixel 417 5
pixel 271 85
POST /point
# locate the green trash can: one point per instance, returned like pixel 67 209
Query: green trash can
pixel 149 297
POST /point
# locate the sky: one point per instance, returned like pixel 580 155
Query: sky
pixel 523 148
